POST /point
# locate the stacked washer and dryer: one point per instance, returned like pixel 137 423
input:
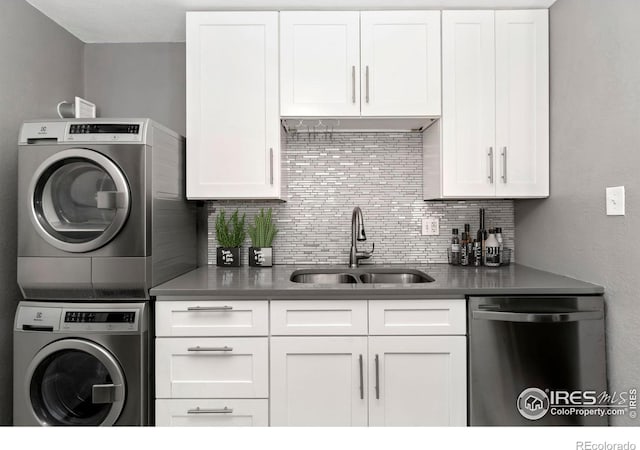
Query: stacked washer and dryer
pixel 102 218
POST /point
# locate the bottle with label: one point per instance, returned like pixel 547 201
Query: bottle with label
pixel 500 241
pixel 492 250
pixel 455 248
pixel 477 253
pixel 464 245
pixel 481 235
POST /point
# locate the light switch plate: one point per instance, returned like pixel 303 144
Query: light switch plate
pixel 430 226
pixel 615 201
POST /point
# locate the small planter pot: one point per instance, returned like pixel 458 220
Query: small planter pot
pixel 228 256
pixel 260 256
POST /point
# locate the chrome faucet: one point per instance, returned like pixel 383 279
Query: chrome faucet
pixel 358 234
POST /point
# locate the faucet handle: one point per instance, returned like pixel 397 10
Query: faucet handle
pixel 365 254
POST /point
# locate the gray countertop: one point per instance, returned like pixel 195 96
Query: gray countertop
pixel 450 282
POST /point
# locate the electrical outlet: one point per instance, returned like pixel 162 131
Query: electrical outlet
pixel 615 201
pixel 430 226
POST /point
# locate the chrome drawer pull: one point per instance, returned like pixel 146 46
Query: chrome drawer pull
pixel 224 410
pixel 197 348
pixel 210 308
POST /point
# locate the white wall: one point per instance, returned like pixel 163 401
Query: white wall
pixel 595 142
pixel 41 64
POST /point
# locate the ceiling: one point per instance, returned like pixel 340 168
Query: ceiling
pixel 95 21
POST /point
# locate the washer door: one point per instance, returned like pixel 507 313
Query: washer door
pixel 79 200
pixel 75 382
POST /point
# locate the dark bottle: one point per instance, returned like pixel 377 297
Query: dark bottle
pixel 477 253
pixel 455 248
pixel 482 235
pixel 464 249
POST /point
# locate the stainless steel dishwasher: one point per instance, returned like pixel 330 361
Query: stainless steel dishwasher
pixel 528 355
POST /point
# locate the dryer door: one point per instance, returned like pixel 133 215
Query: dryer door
pixel 75 382
pixel 80 200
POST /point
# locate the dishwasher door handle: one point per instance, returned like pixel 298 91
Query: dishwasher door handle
pixel 506 316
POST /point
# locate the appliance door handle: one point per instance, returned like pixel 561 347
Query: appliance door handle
pixel 111 200
pixel 504 164
pixel 361 377
pixel 210 308
pixel 198 410
pixel 105 393
pixel 353 84
pixel 531 317
pixel 197 348
pixel 490 155
pixel 377 359
pixel 27 327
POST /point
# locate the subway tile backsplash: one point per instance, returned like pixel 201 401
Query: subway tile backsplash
pixel 381 173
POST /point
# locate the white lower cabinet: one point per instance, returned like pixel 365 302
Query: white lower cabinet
pixel 417 381
pixel 318 381
pixel 212 413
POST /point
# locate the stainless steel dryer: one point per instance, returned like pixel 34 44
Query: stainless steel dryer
pixel 81 364
pixel 102 212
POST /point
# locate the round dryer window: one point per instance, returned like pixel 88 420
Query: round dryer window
pixel 80 200
pixel 75 382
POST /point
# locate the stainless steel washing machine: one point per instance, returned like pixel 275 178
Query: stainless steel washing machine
pixel 81 364
pixel 102 212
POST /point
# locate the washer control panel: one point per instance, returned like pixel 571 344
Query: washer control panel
pixel 82 319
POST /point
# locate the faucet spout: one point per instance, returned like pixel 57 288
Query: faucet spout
pixel 357 234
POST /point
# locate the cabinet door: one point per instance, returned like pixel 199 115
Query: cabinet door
pixel 319 63
pixel 400 72
pixel 212 413
pixel 468 104
pixel 212 367
pixel 522 103
pixel 417 381
pixel 233 123
pixel 318 381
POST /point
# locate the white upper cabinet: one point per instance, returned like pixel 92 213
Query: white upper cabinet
pixel 233 126
pixel 495 106
pixel 351 64
pixel 522 103
pixel 400 69
pixel 320 63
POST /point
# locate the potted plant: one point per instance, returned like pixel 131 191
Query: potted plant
pixel 230 234
pixel 262 233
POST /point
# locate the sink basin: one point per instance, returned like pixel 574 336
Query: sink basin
pixel 395 277
pixel 362 275
pixel 323 277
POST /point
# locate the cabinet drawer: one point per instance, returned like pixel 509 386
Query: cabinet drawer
pixel 212 413
pixel 425 317
pixel 322 317
pixel 212 318
pixel 212 367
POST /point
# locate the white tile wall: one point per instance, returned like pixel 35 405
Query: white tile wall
pixel 381 173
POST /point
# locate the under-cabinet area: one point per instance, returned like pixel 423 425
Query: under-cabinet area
pixel 311 362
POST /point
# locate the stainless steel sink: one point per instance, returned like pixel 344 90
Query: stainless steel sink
pixel 318 276
pixel 395 277
pixel 362 275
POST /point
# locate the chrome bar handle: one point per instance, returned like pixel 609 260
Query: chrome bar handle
pixel 353 84
pixel 271 166
pixel 490 155
pixel 197 348
pixel 224 410
pixel 361 378
pixel 377 377
pixel 210 308
pixel 504 164
pixel 366 79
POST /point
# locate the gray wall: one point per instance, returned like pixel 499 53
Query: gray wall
pixel 595 140
pixel 380 172
pixel 138 80
pixel 41 65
